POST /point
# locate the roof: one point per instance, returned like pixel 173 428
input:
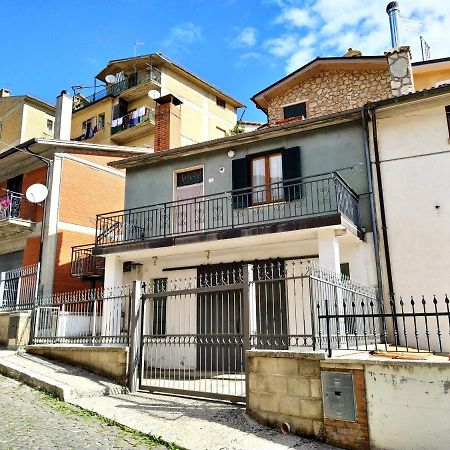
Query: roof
pixel 315 66
pixel 419 95
pixel 31 99
pixel 158 59
pixel 230 142
pixel 430 61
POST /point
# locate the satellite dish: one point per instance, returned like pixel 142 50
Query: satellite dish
pixel 36 193
pixel 154 94
pixel 110 79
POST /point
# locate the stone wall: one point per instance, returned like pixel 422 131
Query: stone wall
pixel 285 387
pixel 110 362
pixel 334 91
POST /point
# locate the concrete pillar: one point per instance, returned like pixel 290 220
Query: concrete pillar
pixel 112 302
pixel 329 256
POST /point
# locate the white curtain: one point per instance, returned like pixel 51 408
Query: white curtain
pixel 259 179
pixel 276 177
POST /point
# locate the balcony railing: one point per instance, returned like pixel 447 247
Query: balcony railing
pixel 85 264
pixel 14 205
pixel 290 199
pixel 132 119
pixel 153 75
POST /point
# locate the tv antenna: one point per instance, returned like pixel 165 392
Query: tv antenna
pixel 426 50
pixel 135 45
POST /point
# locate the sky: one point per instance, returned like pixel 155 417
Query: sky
pixel 240 46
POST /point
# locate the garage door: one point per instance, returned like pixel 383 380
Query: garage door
pixel 10 261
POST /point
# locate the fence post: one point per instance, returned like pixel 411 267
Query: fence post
pixel 2 288
pixel 327 313
pixel 134 336
pixel 249 320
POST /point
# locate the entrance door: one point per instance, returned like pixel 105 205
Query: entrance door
pixel 189 209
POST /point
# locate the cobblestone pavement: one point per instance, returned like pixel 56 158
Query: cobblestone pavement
pixel 30 421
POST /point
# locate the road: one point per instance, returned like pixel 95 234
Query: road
pixel 32 420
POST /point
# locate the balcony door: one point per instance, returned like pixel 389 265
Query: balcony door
pixel 189 208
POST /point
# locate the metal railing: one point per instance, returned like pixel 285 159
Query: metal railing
pixel 291 199
pixel 14 205
pixel 18 288
pixel 84 264
pixel 94 316
pixel 411 326
pixel 128 121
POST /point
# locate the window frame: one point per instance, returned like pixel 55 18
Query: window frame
pixel 50 130
pixel 221 102
pixel 267 184
pixel 98 121
pixel 305 102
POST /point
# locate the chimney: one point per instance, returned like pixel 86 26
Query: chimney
pixel 63 116
pixel 4 93
pixel 394 16
pixel 398 57
pixel 167 123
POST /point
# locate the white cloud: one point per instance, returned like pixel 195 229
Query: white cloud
pixel 334 26
pixel 183 35
pixel 245 38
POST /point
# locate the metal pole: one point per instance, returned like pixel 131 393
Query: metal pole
pixel 327 314
pixel 246 345
pixel 134 353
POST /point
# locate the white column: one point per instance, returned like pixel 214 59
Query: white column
pixel 329 250
pixel 112 303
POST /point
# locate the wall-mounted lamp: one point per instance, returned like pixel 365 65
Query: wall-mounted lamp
pixel 231 153
pixel 208 254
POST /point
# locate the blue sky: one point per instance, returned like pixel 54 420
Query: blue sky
pixel 241 46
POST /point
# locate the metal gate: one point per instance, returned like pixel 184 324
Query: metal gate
pixel 193 337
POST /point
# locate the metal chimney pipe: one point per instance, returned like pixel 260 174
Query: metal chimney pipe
pixel 394 18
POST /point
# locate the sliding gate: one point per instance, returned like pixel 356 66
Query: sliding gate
pixel 193 337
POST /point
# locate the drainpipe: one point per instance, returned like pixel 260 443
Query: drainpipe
pixel 373 117
pixel 376 241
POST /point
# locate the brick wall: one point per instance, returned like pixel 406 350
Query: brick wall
pixel 167 127
pixel 346 434
pixel 333 91
pixel 286 387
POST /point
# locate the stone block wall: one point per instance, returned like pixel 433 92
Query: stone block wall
pixel 285 387
pixel 110 362
pixel 333 91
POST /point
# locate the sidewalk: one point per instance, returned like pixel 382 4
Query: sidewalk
pixel 191 424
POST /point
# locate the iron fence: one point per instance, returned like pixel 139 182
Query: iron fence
pixel 18 288
pixel 84 264
pixel 291 199
pixel 395 326
pixel 93 316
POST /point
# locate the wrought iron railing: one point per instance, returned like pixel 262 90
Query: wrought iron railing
pixel 18 288
pixel 132 119
pixel 84 264
pixel 291 199
pixel 14 205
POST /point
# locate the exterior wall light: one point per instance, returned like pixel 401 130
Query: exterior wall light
pixel 231 153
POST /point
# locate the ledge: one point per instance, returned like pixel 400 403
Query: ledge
pixel 312 355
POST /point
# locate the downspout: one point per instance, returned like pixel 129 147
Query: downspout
pixel 376 241
pixel 381 199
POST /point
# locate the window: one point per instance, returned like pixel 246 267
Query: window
pixel 49 126
pixel 159 307
pixel 266 178
pixel 447 113
pixel 101 121
pixel 297 110
pixel 220 102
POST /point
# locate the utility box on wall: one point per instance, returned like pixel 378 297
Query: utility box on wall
pixel 338 396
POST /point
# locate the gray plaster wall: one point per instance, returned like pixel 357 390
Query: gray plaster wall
pixel 323 150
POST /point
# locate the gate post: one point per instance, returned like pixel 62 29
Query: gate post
pixel 249 320
pixel 134 336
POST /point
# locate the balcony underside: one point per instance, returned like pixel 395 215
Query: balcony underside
pixel 14 228
pixel 132 133
pixel 141 90
pixel 238 232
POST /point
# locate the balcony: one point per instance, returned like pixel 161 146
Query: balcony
pixel 131 87
pixel 132 125
pixel 17 215
pixel 85 264
pixel 296 204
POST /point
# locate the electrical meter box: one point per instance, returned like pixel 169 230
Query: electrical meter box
pixel 338 396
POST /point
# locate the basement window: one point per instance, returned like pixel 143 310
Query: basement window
pixel 220 102
pixel 296 110
pixel 447 113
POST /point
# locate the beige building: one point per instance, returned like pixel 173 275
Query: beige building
pixel 23 117
pixel 122 112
